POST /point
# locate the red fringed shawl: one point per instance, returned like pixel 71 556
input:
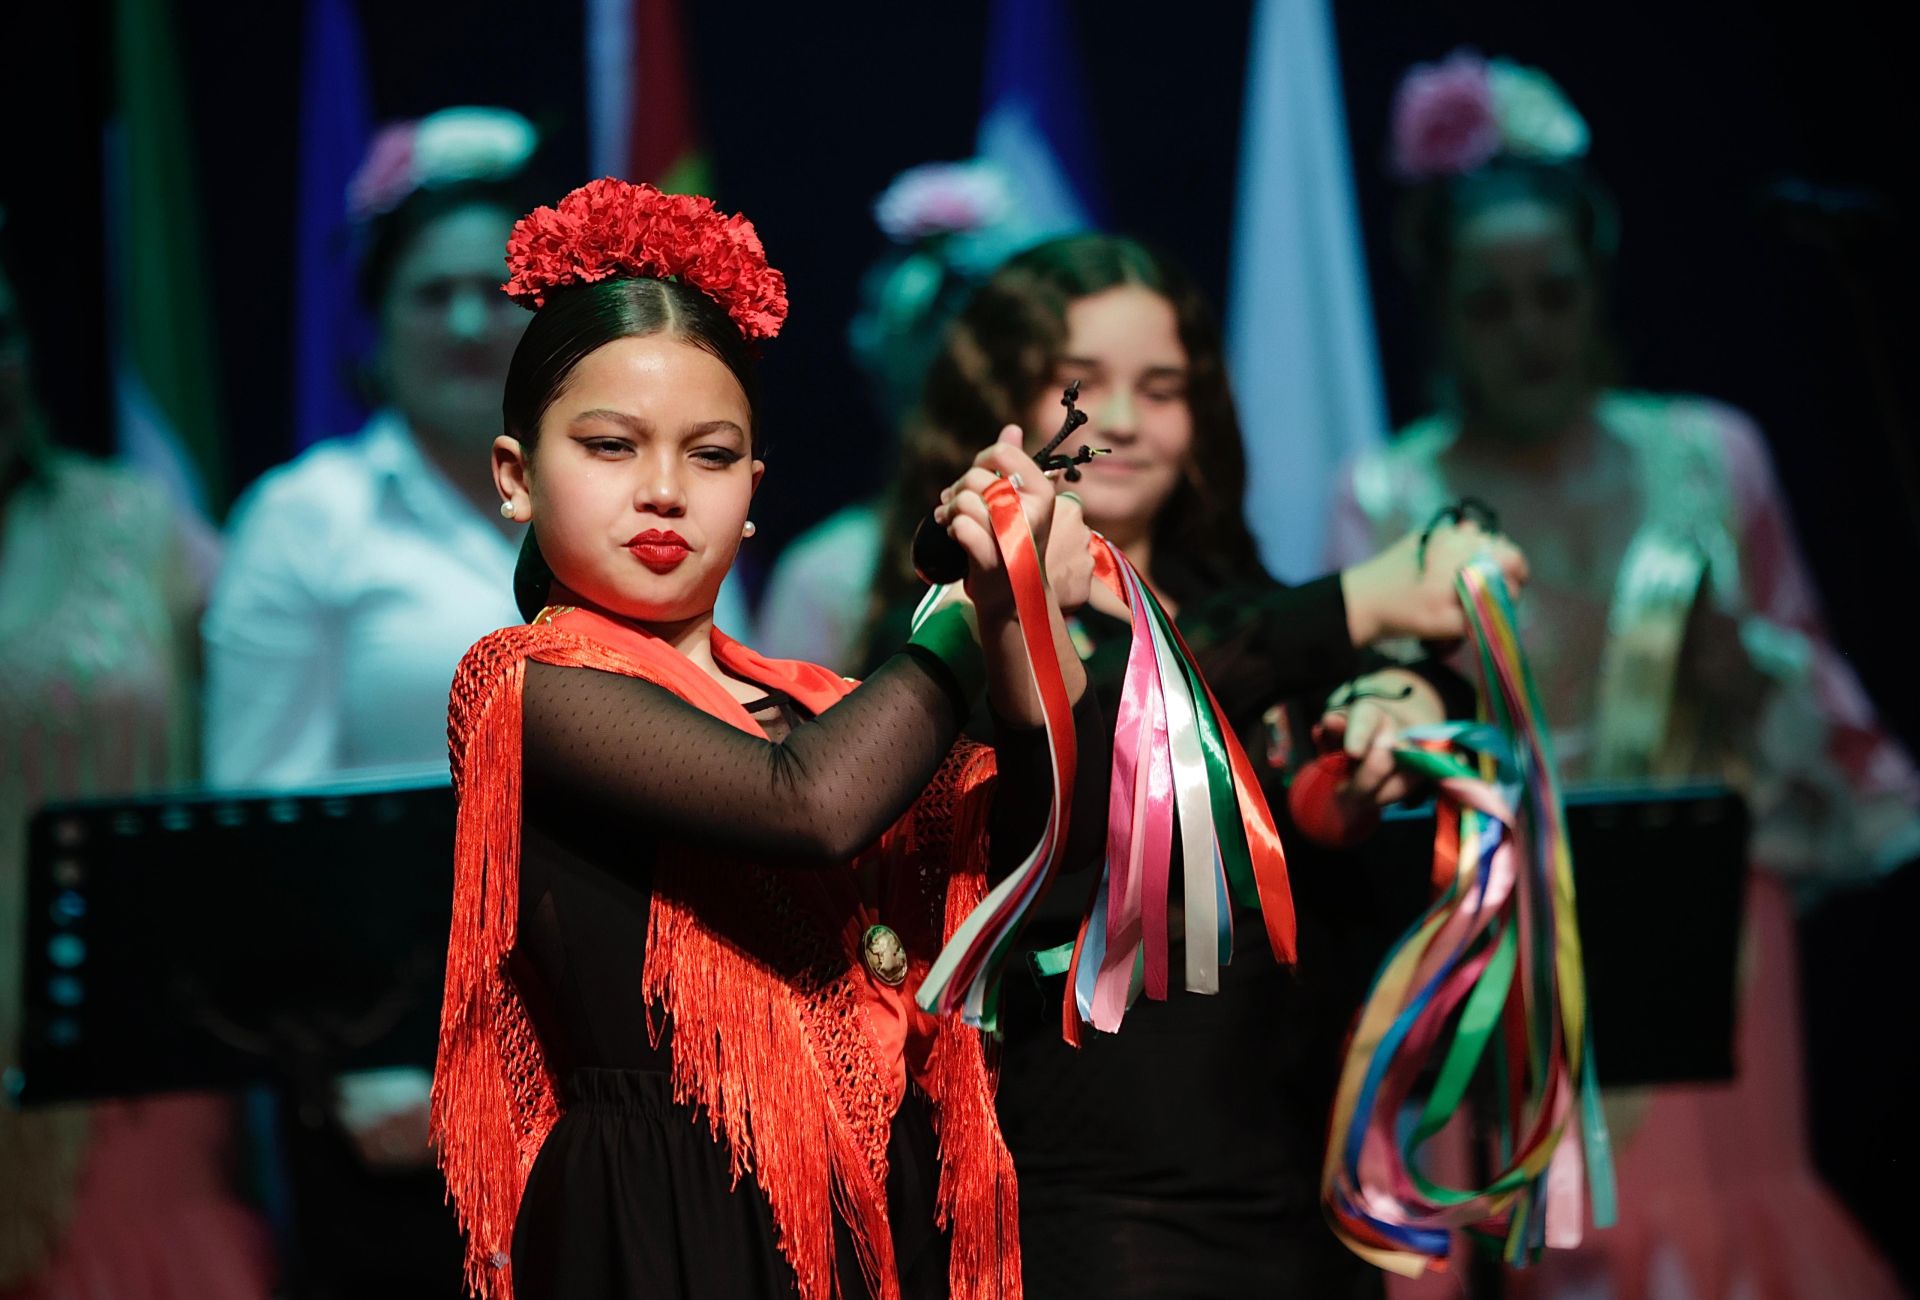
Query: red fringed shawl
pixel 771 1038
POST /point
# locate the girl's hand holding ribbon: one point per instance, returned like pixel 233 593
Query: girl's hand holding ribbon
pixel 1366 721
pixel 963 513
pixel 1070 552
pixel 1408 589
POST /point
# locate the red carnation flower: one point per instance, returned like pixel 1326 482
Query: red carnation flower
pixel 610 228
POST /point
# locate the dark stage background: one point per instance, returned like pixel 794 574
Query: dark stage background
pixel 808 110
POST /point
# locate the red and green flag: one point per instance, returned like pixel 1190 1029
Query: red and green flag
pixel 640 96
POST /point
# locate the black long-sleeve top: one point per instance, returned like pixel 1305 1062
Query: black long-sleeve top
pixel 615 766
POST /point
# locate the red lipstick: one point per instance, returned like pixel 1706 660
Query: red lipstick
pixel 660 550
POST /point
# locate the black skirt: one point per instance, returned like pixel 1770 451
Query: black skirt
pixel 631 1196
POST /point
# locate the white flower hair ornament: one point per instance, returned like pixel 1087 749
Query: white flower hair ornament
pixel 943 198
pixel 1536 118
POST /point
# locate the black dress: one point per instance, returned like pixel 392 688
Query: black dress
pixel 1180 1158
pixel 632 1195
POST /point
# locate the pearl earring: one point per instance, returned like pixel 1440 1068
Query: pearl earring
pixel 507 510
pixel 749 530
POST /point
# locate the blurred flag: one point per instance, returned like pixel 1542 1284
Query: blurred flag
pixel 1300 339
pixel 331 330
pixel 1033 122
pixel 166 387
pixel 642 127
pixel 640 97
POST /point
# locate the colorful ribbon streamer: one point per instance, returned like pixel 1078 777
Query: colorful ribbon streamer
pixel 1492 969
pixel 1177 768
pixel 1179 775
pixel 965 976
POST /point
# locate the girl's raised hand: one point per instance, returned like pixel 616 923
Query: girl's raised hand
pixel 963 513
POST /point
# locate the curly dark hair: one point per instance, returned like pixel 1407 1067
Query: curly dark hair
pixel 1001 352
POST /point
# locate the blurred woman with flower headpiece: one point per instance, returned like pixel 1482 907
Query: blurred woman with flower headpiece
pixel 357 574
pixel 1674 631
pixel 101 582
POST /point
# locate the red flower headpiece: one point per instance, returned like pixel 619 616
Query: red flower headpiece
pixel 610 228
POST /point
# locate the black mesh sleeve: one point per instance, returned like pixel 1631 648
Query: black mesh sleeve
pixel 622 756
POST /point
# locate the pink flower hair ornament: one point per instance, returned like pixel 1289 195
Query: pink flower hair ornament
pixel 610 229
pixel 1452 117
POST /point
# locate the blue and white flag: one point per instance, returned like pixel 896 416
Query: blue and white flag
pixel 1034 123
pixel 331 330
pixel 1300 339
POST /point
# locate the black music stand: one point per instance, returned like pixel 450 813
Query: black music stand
pixel 223 941
pixel 1661 878
pixel 219 940
pixel 1660 875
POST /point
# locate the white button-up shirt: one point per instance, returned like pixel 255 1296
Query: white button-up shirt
pixel 356 577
